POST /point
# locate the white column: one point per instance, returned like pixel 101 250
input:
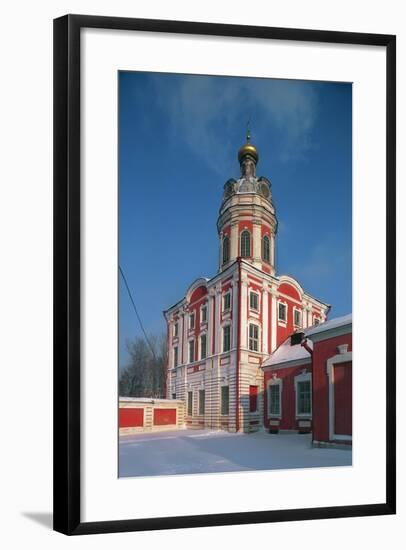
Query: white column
pixel 243 313
pixel 234 241
pixel 274 320
pixel 256 238
pixel 184 337
pixel 210 321
pixel 304 316
pixel 265 306
pixel 235 312
pixel 219 305
pixel 273 249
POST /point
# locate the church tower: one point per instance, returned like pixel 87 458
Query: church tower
pixel 225 327
pixel 247 222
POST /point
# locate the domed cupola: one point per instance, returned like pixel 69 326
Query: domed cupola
pixel 247 222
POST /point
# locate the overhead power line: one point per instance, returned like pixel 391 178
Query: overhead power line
pixel 136 312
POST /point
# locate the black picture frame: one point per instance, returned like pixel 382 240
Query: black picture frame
pixel 67 287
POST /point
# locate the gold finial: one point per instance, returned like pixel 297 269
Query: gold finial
pixel 248 148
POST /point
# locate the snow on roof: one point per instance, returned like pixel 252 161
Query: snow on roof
pixel 329 325
pixel 285 352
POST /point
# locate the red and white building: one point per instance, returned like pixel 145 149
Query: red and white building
pixel 224 328
pixel 308 383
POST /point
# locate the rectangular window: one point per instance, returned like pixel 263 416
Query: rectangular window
pixel 227 338
pixel 224 400
pixel 202 398
pixel 175 356
pixel 254 301
pixel 203 346
pixel 203 314
pixel 174 395
pixel 191 351
pixel 282 312
pixel 274 395
pixel 297 317
pixel 316 321
pixel 189 403
pixel 175 330
pixel 226 301
pixel 304 397
pixel 192 321
pixel 253 391
pixel 253 337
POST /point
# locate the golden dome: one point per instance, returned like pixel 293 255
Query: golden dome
pixel 248 149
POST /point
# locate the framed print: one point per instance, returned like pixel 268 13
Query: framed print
pixel 224 250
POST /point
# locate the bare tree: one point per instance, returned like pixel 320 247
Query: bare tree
pixel 144 376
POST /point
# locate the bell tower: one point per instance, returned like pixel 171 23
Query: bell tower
pixel 247 222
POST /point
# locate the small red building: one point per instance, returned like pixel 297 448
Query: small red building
pixel 308 383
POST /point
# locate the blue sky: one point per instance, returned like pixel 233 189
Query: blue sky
pixel 178 142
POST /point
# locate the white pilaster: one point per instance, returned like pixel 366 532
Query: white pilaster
pixel 234 241
pixel 304 316
pixel 274 320
pixel 273 250
pixel 210 321
pixel 243 312
pixel 235 312
pixel 256 240
pixel 219 305
pixel 265 306
pixel 183 343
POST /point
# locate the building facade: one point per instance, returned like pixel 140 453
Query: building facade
pixel 308 383
pixel 223 329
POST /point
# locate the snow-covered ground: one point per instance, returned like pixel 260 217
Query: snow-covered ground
pixel 204 451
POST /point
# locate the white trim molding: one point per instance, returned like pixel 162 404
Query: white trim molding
pixel 343 356
pixel 304 376
pixel 274 381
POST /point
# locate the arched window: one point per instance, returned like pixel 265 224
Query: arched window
pixel 245 244
pixel 226 249
pixel 266 249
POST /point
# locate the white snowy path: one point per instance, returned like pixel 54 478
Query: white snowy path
pixel 204 451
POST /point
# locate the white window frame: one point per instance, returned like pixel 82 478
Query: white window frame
pixel 304 377
pixel 249 301
pixel 189 392
pixel 204 401
pixel 194 351
pixel 250 244
pixel 222 337
pixel 274 382
pixel 176 329
pixel 221 401
pixel 280 320
pixel 200 345
pixel 259 337
pixel 175 354
pixel 192 316
pixel 224 261
pixel 296 309
pixel 226 310
pixel 203 307
pixel 343 357
pixel 268 261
